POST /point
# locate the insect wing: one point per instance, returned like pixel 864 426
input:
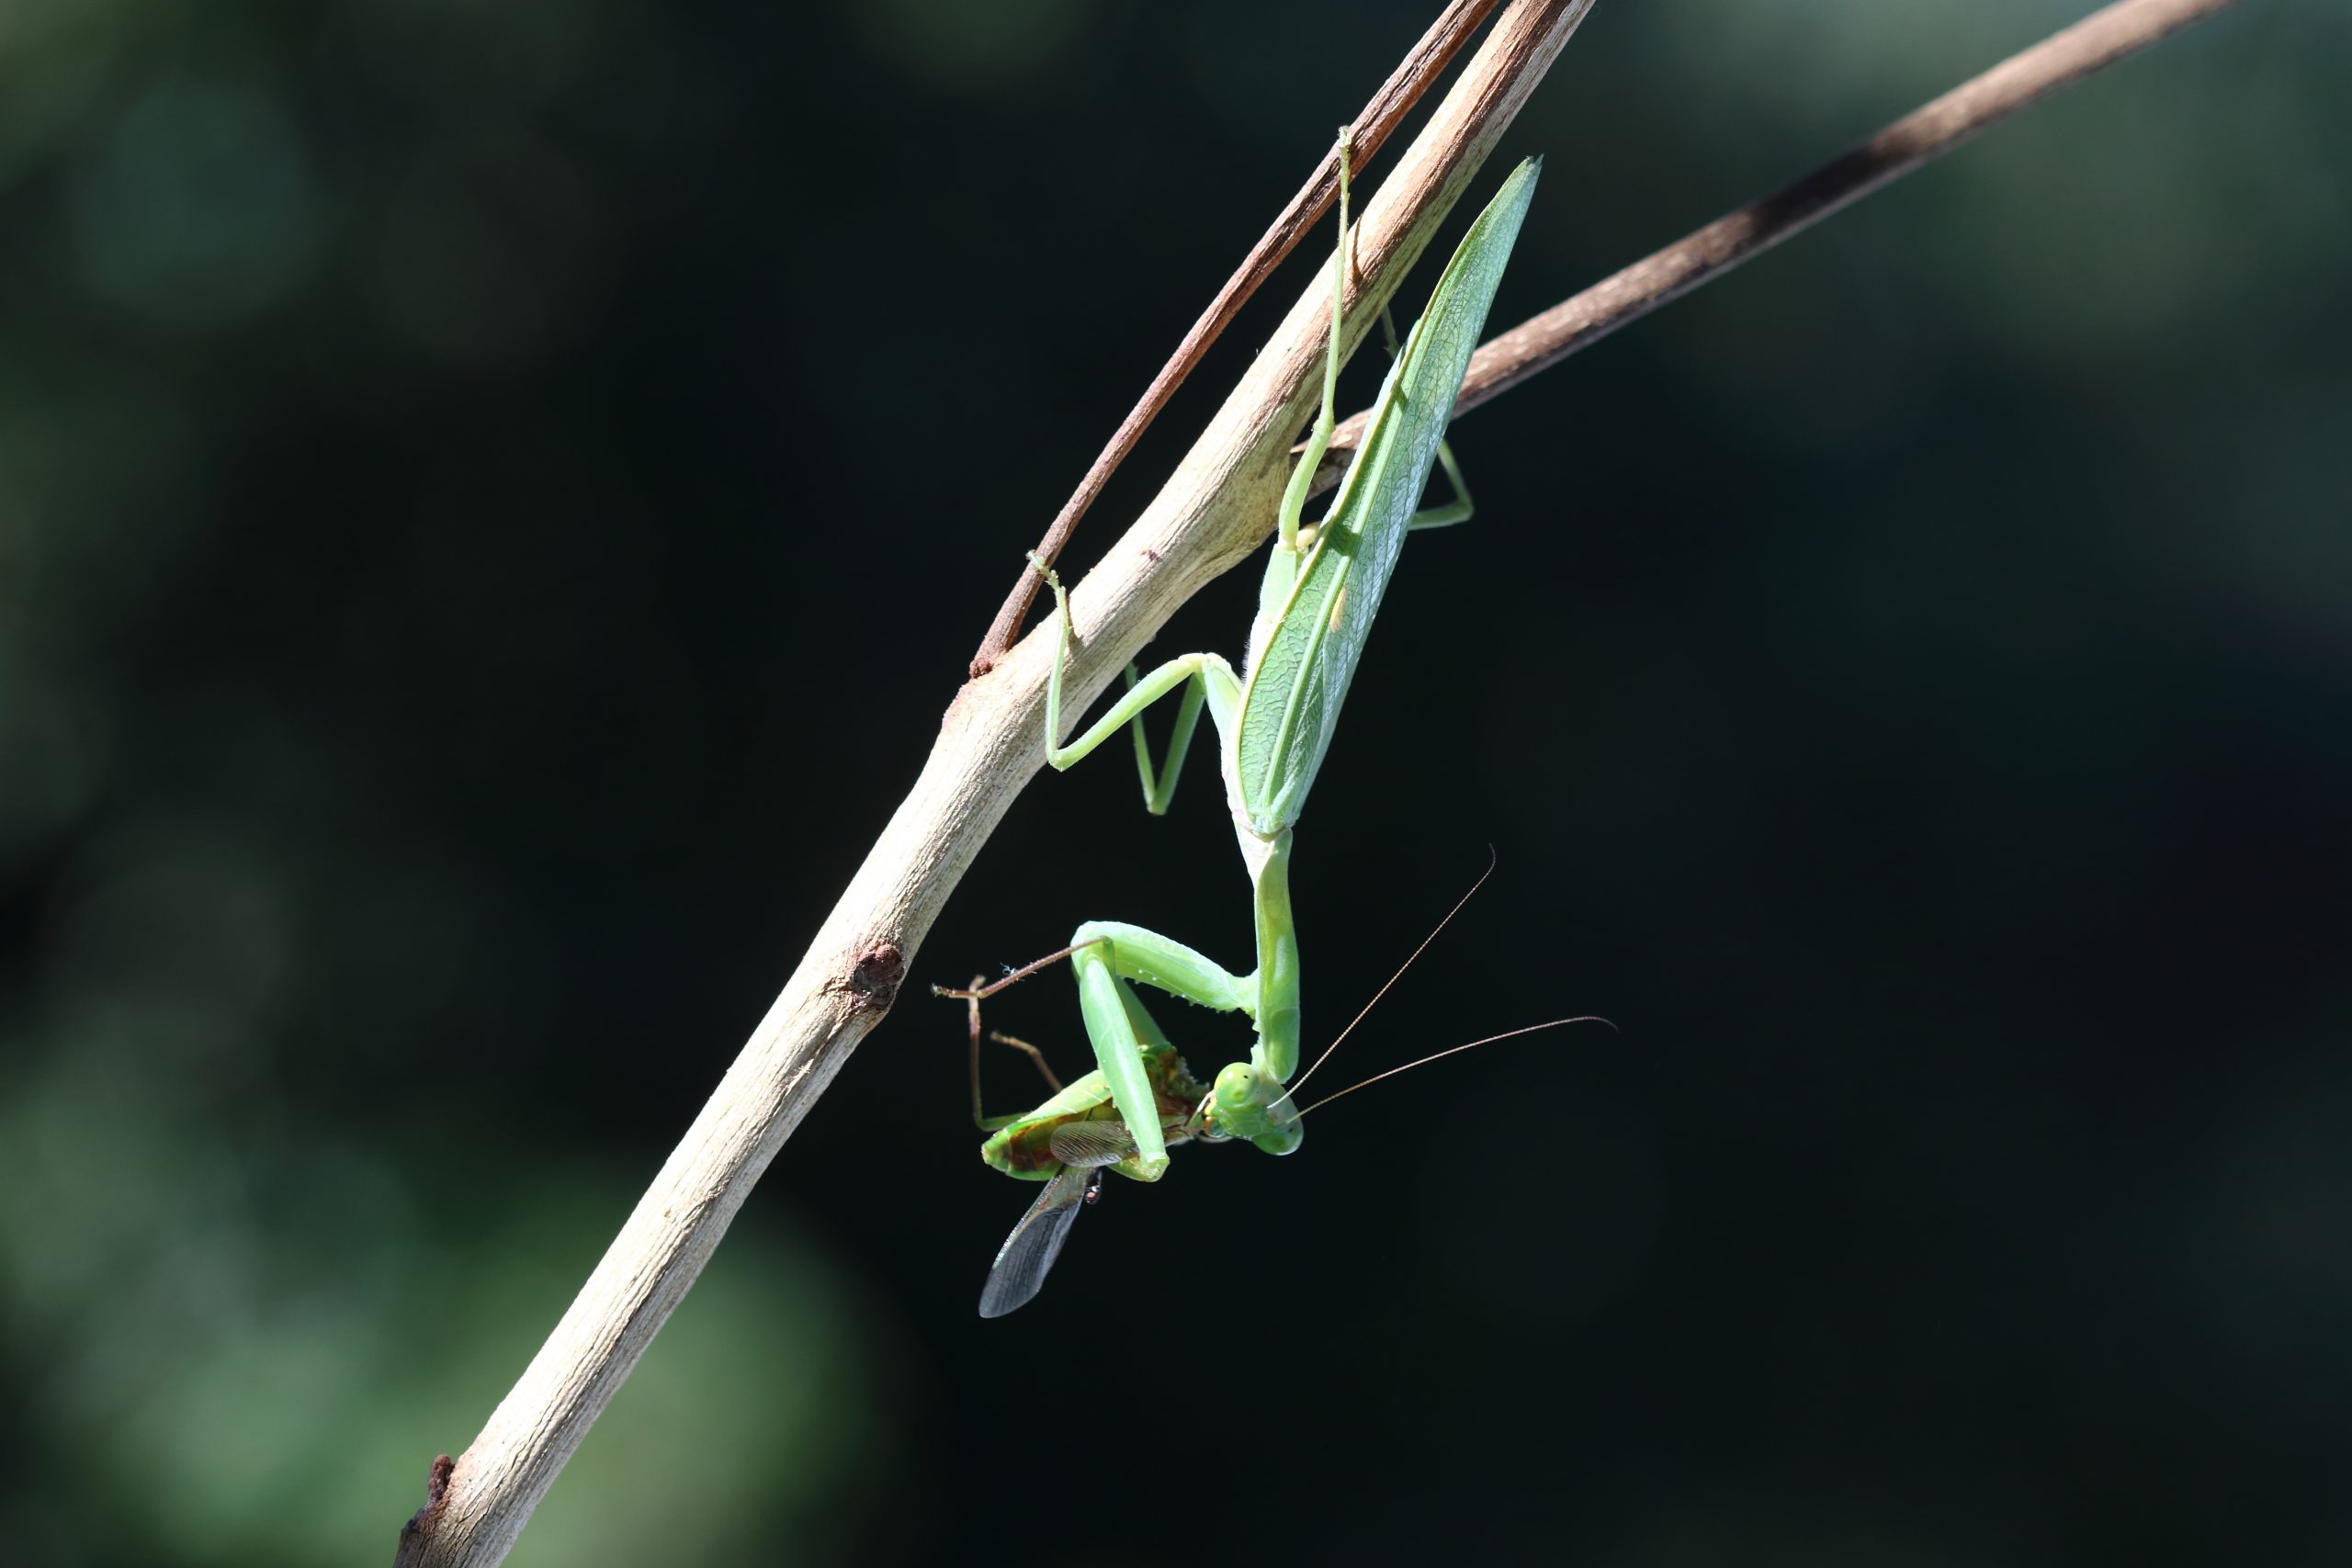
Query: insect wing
pixel 1029 1252
pixel 1088 1145
pixel 1300 676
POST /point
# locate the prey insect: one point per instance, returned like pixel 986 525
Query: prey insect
pixel 1275 721
pixel 1068 1142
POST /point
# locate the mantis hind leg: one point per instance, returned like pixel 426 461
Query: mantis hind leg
pixel 1107 957
pixel 1458 509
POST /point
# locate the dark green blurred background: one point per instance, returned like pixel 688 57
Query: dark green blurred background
pixel 494 497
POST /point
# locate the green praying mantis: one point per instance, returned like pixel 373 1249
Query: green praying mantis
pixel 1274 722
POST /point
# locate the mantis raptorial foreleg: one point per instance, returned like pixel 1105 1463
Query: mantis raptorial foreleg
pixel 1108 955
pixel 1108 958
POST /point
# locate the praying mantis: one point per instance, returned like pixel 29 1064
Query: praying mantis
pixel 1275 721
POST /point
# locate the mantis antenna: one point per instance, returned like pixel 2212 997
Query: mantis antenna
pixel 1411 960
pixel 1454 1050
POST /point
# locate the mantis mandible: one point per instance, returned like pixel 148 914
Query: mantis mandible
pixel 1274 722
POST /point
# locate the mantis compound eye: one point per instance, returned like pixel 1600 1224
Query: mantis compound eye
pixel 1236 1087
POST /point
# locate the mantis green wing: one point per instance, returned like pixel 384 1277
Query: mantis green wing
pixel 1299 674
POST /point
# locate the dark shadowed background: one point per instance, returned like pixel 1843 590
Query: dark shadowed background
pixel 494 499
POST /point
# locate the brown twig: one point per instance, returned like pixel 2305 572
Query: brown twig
pixel 1212 513
pixel 2024 79
pixel 1369 129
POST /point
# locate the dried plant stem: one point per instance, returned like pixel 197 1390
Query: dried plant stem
pixel 2024 79
pixel 1366 133
pixel 1211 514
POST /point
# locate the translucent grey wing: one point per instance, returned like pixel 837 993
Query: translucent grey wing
pixel 1029 1252
pixel 1092 1144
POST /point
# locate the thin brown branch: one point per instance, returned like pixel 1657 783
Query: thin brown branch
pixel 2024 79
pixel 1404 88
pixel 1212 513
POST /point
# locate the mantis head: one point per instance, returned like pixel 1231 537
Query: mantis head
pixel 1248 1101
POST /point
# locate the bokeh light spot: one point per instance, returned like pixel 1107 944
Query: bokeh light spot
pixel 976 46
pixel 197 205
